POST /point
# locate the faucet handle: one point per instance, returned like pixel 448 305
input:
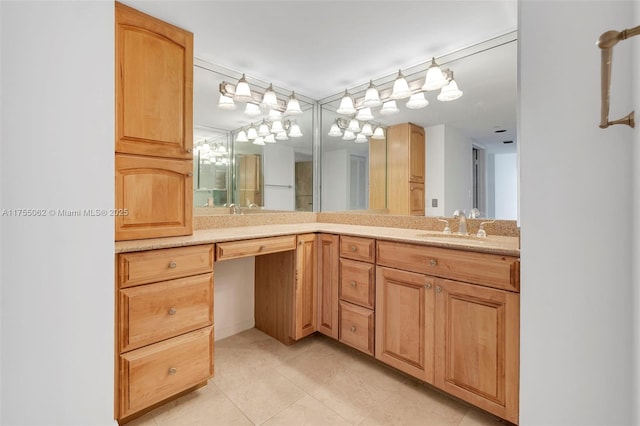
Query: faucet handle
pixel 446 229
pixel 481 232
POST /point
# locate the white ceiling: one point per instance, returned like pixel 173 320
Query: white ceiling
pixel 319 48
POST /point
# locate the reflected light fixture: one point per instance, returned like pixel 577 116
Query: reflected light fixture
pixel 400 87
pixel 294 131
pixel 335 130
pixel 242 136
pixel 259 141
pixel 378 133
pixel 434 79
pixel 252 110
pixel 226 103
pixel 348 135
pixel 417 101
pixel 293 106
pixel 270 138
pixel 276 127
pixel 367 130
pixel 364 114
pixel 346 105
pixel 252 133
pixel 450 92
pixel 282 136
pixel 389 107
pixel 243 92
pixel 263 130
pixel 274 114
pixel 372 96
pixel 361 138
pixel 354 125
pixel 269 98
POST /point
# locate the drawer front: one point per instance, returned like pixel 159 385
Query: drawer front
pixel 356 327
pixel 479 268
pixel 357 248
pixel 357 282
pixel 156 372
pixel 165 264
pixel 154 312
pixel 254 247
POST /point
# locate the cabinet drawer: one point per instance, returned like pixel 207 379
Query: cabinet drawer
pixel 357 248
pixel 258 246
pixel 479 268
pixel 154 312
pixel 357 282
pixel 156 372
pixel 356 327
pixel 160 265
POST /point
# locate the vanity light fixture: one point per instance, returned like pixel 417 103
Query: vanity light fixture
pixel 389 107
pixel 242 92
pixel 269 98
pixel 226 103
pixel 400 87
pixel 360 138
pixel 348 135
pixel 372 96
pixel 364 114
pixel 293 106
pixel 417 101
pixel 259 141
pixel 242 136
pixel 252 133
pixel 346 105
pixel 263 130
pixel 252 110
pixel 450 92
pixel 294 131
pixel 270 138
pixel 434 79
pixel 378 133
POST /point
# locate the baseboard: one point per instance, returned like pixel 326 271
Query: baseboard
pixel 221 333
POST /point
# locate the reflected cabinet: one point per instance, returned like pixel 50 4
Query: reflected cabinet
pixel 405 169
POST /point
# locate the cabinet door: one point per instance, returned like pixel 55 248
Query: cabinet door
pixel 416 154
pixel 328 277
pixel 404 321
pixel 477 346
pixel 154 86
pixel 155 196
pixel 305 308
pixel 416 199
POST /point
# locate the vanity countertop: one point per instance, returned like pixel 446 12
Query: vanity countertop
pixel 508 246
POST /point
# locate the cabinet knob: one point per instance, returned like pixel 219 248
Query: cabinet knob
pixel 172 311
pixel 172 371
pixel 427 285
pixel 353 284
pixel 433 262
pixel 262 248
pixel 354 248
pixel 190 174
pixel 353 328
pixel 189 150
pixel 438 289
pixel 172 265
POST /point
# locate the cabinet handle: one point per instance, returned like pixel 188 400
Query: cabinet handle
pixel 427 285
pixel 353 328
pixel 172 265
pixel 190 174
pixel 172 311
pixel 433 262
pixel 172 371
pixel 354 248
pixel 262 248
pixel 353 284
pixel 438 289
pixel 189 150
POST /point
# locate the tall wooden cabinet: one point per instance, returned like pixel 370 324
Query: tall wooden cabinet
pixel 328 278
pixel 405 169
pixel 154 127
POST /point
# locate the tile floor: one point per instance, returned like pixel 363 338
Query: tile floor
pixel 316 381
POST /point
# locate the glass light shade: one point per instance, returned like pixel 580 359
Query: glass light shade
pixel 361 138
pixel 417 101
pixel 243 92
pixel 252 110
pixel 270 138
pixel 450 92
pixel 276 127
pixel 372 97
pixel 434 79
pixel 389 107
pixel 293 106
pixel 242 136
pixel 259 141
pixel 252 133
pixel 226 103
pixel 378 133
pixel 400 87
pixel 274 114
pixel 282 136
pixel 346 105
pixel 263 130
pixel 269 98
pixel 367 130
pixel 354 125
pixel 335 130
pixel 364 114
pixel 348 135
pixel 294 131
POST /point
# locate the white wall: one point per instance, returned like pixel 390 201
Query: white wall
pixel 576 212
pixel 506 186
pixel 335 178
pixel 458 180
pixel 434 186
pixel 57 153
pixel 233 296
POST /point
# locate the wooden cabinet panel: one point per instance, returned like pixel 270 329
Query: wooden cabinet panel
pixel 404 321
pixel 154 86
pixel 416 199
pixel 357 282
pixel 416 154
pixel 156 372
pixel 480 268
pixel 328 277
pixel 405 168
pixel 157 196
pixel 254 247
pixel 377 174
pixel 157 265
pixel 357 327
pixel 305 306
pixel 477 346
pixel 358 248
pixel 150 313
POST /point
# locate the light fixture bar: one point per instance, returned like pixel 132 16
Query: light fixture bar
pixel 229 90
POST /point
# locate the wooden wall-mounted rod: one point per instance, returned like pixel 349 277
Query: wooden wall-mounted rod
pixel 606 42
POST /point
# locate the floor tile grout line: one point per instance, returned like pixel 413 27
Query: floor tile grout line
pixel 232 402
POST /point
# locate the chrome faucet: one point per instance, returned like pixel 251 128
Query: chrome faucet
pixel 462 225
pixel 234 209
